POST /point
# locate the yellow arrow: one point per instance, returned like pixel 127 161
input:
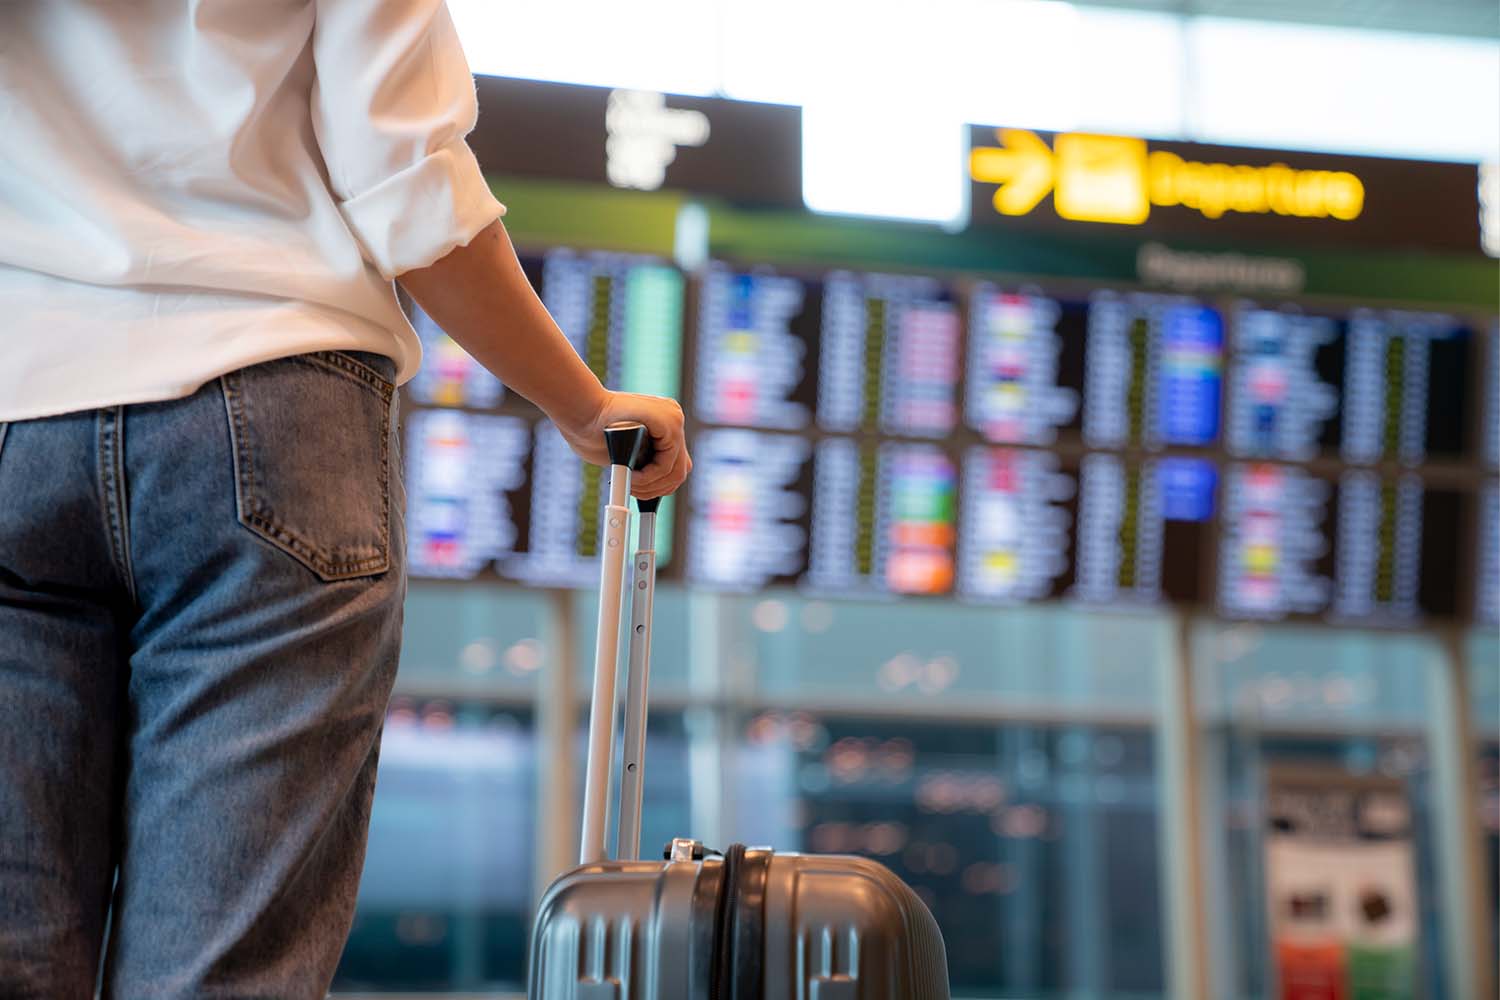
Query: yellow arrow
pixel 1023 169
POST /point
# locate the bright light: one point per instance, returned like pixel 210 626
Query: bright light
pixel 664 45
pixel 986 61
pixel 1489 208
pixel 886 91
pixel 1129 66
pixel 866 158
pixel 1339 89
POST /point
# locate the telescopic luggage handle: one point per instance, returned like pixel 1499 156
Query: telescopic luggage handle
pixel 638 679
pixel 630 448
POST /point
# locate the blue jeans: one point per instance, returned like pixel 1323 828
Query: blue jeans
pixel 200 617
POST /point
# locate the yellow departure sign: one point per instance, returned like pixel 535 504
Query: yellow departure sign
pixel 1104 178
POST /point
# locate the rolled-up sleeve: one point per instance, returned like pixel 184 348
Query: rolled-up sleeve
pixel 392 103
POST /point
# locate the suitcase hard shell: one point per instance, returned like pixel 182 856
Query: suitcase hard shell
pixel 751 924
pixel 818 928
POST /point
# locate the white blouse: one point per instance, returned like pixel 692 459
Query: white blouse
pixel 188 187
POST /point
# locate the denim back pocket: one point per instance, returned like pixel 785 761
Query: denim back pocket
pixel 311 438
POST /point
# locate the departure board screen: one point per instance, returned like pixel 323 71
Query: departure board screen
pixel 1285 373
pixel 883 518
pixel 1016 526
pixel 1369 386
pixel 757 342
pixel 748 508
pixel 623 314
pixel 889 355
pixel 1153 371
pixel 1143 529
pixel 1491 383
pixel 880 435
pixel 567 498
pixel 1379 555
pixel 465 473
pixel 448 376
pixel 1364 548
pixel 1404 387
pixel 1487 588
pixel 1276 552
pixel 1024 377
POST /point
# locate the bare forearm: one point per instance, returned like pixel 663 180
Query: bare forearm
pixel 480 297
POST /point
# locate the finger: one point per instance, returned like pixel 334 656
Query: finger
pixel 664 452
pixel 658 477
pixel 669 444
pixel 669 480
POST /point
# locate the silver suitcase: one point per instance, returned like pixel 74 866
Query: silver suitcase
pixel 746 924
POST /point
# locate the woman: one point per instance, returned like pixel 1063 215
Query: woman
pixel 203 205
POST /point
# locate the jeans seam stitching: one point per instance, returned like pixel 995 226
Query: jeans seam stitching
pixel 341 364
pixel 244 472
pixel 111 485
pixel 385 475
pixel 122 500
pixel 324 561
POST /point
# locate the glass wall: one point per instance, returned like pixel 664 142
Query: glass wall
pixel 1337 714
pixel 1021 803
pixel 1004 762
pixel 1484 690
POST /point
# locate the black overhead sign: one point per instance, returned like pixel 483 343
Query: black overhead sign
pixel 641 140
pixel 1079 182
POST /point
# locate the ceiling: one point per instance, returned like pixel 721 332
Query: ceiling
pixel 1471 18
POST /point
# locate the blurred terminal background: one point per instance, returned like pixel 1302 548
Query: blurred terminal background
pixel 1097 506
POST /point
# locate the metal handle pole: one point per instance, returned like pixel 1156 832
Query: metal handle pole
pixel 642 598
pixel 607 644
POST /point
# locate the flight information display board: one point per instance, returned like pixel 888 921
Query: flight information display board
pixel 1153 371
pixel 748 508
pixel 1024 377
pixel 448 376
pixel 1144 529
pixel 1284 383
pixel 757 337
pixel 500 492
pixel 1369 386
pixel 567 494
pixel 1275 549
pixel 1015 532
pixel 1491 382
pixel 623 314
pixel 880 435
pixel 1404 387
pixel 1487 588
pixel 883 519
pixel 889 355
pixel 464 475
pixel 1363 548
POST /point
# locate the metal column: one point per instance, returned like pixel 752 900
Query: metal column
pixel 1461 871
pixel 1177 756
pixel 705 736
pixel 557 728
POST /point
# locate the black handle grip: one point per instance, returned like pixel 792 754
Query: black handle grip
pixel 629 444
